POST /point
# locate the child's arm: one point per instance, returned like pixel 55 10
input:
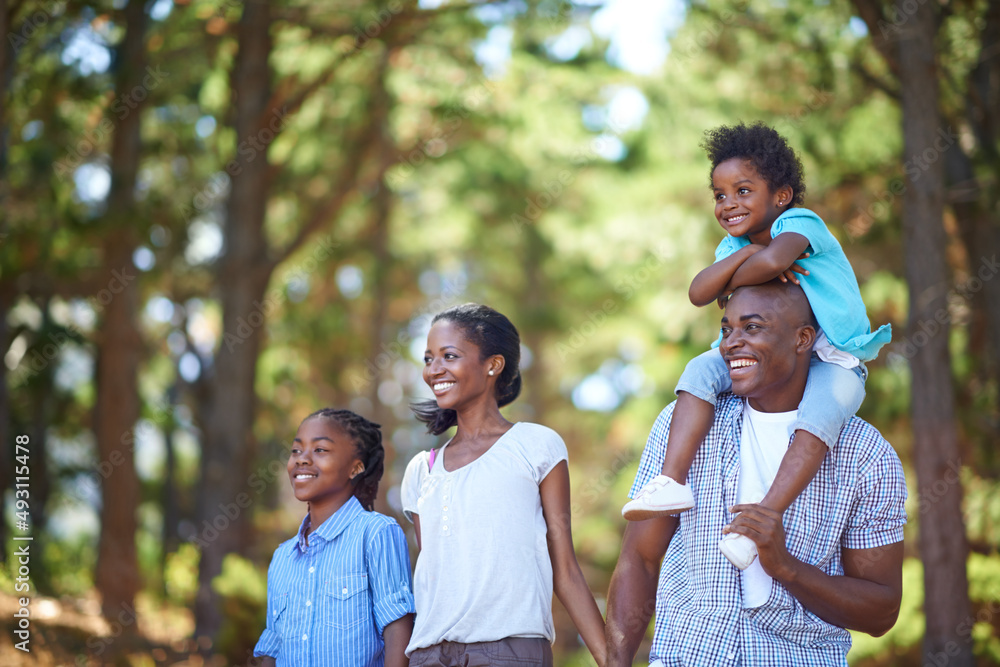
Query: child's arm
pixel 772 261
pixel 397 636
pixel 570 586
pixel 267 661
pixel 712 281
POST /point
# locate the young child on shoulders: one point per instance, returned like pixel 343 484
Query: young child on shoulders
pixel 339 593
pixel 758 187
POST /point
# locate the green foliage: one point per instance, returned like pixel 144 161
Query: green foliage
pixel 70 564
pixel 906 635
pixel 243 589
pixel 180 575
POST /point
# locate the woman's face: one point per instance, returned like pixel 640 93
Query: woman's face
pixel 454 368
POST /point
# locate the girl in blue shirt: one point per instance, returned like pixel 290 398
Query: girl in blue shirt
pixel 339 594
pixel 757 184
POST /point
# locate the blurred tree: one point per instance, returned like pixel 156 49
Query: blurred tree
pixel 118 346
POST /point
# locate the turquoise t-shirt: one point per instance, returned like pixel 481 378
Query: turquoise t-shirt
pixel 831 287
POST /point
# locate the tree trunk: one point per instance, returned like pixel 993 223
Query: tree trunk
pixel 935 447
pixel 6 296
pixel 118 346
pixel 229 448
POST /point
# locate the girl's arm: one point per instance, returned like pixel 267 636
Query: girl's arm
pixel 267 661
pixel 772 261
pixel 570 586
pixel 712 281
pixel 397 636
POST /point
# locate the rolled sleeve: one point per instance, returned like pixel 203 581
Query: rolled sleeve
pixel 269 643
pixel 880 510
pixel 389 575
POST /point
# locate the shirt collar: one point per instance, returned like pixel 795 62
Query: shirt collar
pixel 332 527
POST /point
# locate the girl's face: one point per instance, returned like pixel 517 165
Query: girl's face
pixel 322 462
pixel 744 202
pixel 454 369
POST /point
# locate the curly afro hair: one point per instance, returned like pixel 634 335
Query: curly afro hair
pixel 766 150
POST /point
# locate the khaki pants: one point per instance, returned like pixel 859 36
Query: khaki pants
pixel 509 652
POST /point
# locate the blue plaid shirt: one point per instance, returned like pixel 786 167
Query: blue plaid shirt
pixel 329 599
pixel 854 502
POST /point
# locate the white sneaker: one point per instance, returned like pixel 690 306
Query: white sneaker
pixel 660 497
pixel 739 549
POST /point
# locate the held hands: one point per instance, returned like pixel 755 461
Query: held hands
pixel 764 527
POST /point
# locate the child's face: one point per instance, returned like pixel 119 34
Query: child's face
pixel 322 461
pixel 453 368
pixel 744 203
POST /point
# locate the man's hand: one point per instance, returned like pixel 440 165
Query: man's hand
pixel 764 527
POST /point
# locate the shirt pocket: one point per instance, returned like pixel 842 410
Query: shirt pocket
pixel 348 603
pixel 279 619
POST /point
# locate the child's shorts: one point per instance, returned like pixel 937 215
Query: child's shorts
pixel 832 396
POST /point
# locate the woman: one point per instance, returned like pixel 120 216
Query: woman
pixel 490 509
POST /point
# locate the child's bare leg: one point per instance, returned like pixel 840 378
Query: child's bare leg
pixel 661 496
pixel 690 425
pixel 797 469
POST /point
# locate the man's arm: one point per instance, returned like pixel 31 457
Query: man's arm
pixel 632 596
pixel 711 282
pixel 866 598
pixel 773 261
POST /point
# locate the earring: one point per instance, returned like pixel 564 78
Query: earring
pixel 491 372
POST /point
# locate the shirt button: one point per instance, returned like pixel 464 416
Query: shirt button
pixel 344 591
pixel 311 570
pixel 445 508
pixel 731 656
pixel 305 637
pixel 309 603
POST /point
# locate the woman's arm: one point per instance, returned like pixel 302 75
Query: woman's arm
pixel 397 636
pixel 570 586
pixel 711 282
pixel 416 529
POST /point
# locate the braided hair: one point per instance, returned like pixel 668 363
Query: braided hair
pixel 764 148
pixel 367 438
pixel 493 334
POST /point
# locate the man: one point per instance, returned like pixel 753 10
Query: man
pixel 835 562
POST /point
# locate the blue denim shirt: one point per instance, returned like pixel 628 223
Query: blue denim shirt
pixel 330 597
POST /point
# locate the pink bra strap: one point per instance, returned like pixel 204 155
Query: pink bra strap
pixel 430 461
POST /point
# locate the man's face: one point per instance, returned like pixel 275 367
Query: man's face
pixel 759 344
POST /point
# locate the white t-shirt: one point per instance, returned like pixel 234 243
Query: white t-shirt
pixel 484 571
pixel 763 443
